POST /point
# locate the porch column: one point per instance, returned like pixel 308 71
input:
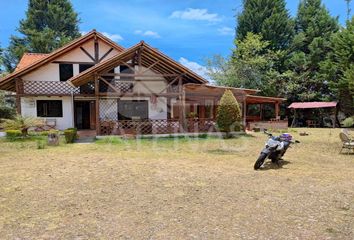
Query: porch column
pixel 181 105
pixel 244 113
pixel 19 88
pixel 97 104
pixel 276 110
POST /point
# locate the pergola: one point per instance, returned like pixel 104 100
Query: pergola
pixel 312 105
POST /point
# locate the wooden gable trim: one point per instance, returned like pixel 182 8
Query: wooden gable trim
pixel 7 83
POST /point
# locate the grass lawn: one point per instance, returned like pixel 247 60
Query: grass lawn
pixel 177 189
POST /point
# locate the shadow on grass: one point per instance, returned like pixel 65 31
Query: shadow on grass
pixel 222 151
pixel 269 165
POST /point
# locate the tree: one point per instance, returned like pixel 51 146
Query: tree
pixel 228 114
pixel 309 48
pixel 338 68
pixel 252 65
pixel 269 18
pixel 49 24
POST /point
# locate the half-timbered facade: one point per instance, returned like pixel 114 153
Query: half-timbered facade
pixel 93 83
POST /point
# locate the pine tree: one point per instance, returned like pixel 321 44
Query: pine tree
pixel 310 46
pixel 229 114
pixel 269 18
pixel 252 65
pixel 338 69
pixel 49 24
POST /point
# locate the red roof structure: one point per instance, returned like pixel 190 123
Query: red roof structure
pixel 30 58
pixel 303 105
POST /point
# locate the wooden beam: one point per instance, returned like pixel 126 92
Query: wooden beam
pixel 106 54
pixel 150 67
pixel 19 91
pixel 87 53
pixel 172 82
pixel 126 64
pixel 109 84
pixel 139 94
pixel 69 62
pixel 276 110
pixel 138 75
pixel 97 104
pixel 97 51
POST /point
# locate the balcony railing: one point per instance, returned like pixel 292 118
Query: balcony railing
pixel 49 87
pixel 155 126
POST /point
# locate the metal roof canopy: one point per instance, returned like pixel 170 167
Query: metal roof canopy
pixel 306 105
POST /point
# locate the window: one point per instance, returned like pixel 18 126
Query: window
pixel 133 109
pixel 65 71
pixel 49 108
pixel 126 70
pixel 83 67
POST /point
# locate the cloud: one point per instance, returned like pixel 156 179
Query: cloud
pixel 147 33
pixel 196 14
pixel 114 37
pixel 195 67
pixel 226 31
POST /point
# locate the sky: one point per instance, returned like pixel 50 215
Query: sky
pixel 189 31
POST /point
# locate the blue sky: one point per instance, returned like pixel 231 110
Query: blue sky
pixel 188 31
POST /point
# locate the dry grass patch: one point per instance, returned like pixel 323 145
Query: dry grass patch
pixel 177 189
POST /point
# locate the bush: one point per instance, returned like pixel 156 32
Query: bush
pixel 70 135
pixel 7 112
pixel 21 123
pixel 228 117
pixel 348 122
pixel 41 144
pixel 13 134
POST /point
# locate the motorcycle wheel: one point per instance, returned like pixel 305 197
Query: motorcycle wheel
pixel 260 161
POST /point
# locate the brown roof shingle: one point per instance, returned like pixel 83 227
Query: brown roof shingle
pixel 30 58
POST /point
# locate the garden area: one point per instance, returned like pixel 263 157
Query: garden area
pixel 203 188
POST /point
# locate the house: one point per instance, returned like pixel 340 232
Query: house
pixel 93 83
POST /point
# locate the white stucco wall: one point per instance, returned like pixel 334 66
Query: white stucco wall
pixel 29 108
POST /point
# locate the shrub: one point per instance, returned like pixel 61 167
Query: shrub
pixel 348 122
pixel 13 134
pixel 7 112
pixel 228 114
pixel 41 144
pixel 70 135
pixel 21 123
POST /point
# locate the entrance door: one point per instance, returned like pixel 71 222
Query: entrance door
pixel 84 114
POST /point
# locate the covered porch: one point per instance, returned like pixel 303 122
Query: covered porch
pixel 142 91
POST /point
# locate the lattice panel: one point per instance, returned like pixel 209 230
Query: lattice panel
pixel 141 127
pixel 124 87
pixel 109 109
pixel 201 125
pixel 48 87
pixel 159 126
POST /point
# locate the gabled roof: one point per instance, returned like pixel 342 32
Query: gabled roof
pixel 150 57
pixel 304 105
pixel 8 83
pixel 30 58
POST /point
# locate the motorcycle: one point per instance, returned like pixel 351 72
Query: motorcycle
pixel 275 148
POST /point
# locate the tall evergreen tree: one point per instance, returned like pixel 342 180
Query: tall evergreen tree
pixel 49 24
pixel 310 46
pixel 269 18
pixel 338 69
